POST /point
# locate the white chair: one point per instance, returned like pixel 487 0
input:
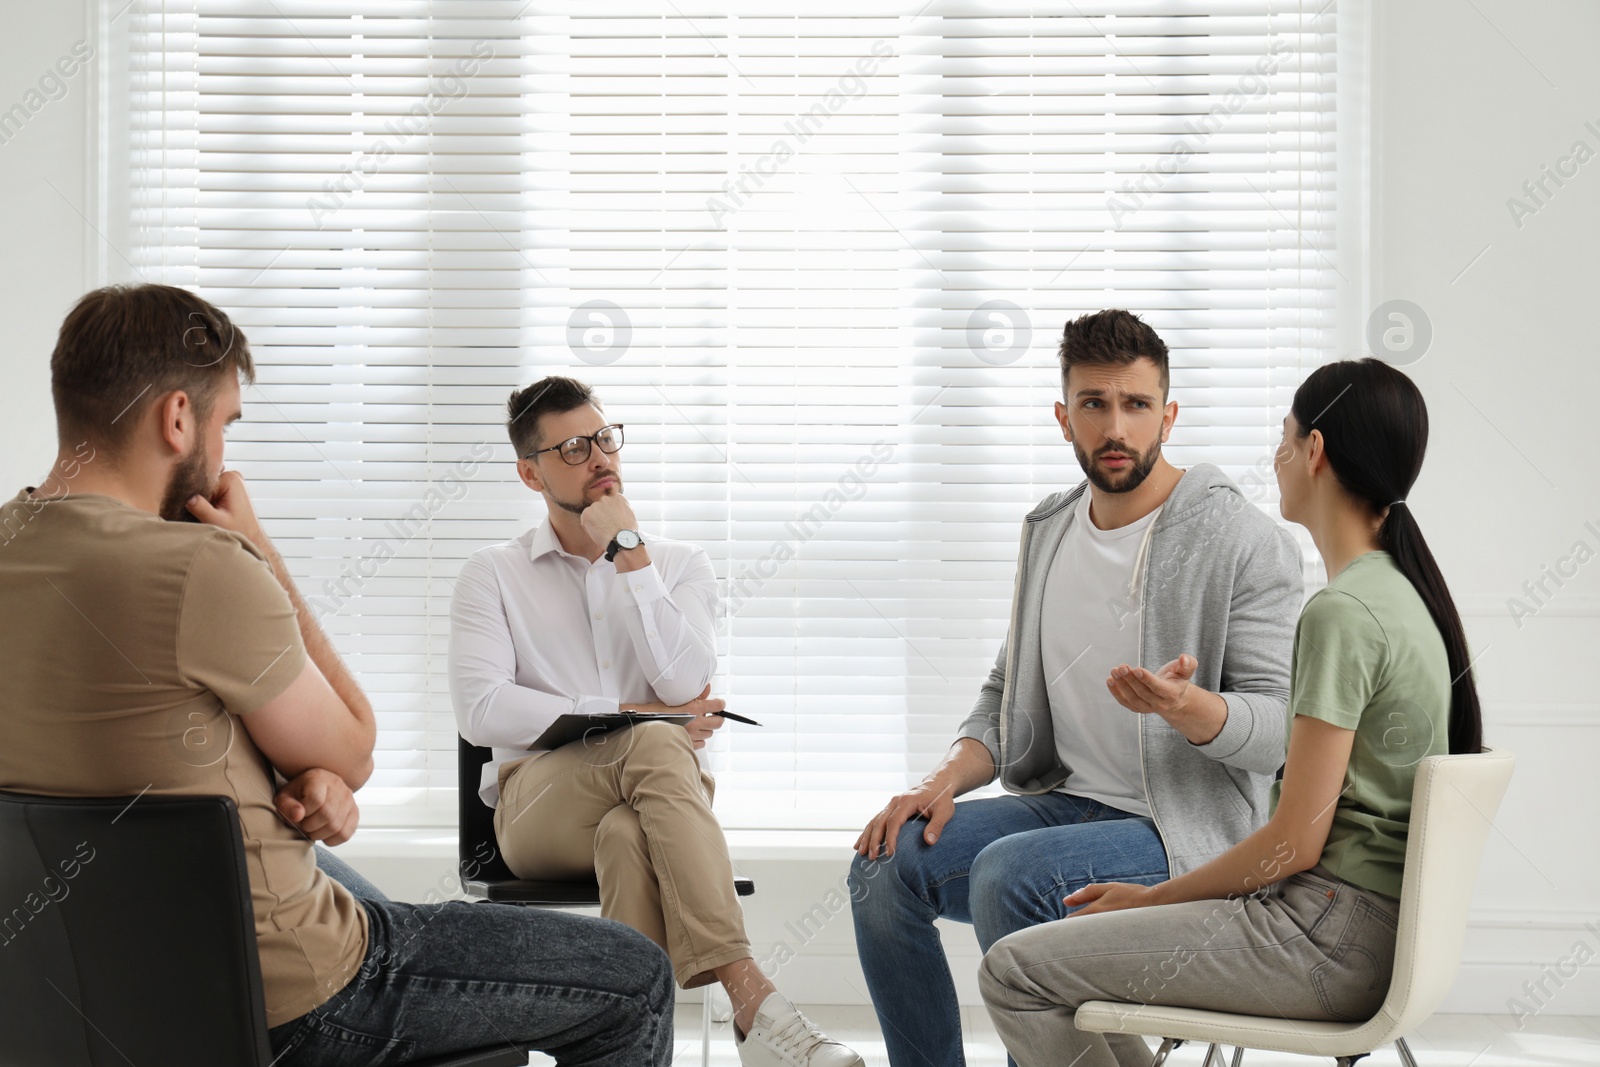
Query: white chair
pixel 1452 808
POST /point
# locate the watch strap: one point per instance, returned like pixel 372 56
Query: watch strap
pixel 616 546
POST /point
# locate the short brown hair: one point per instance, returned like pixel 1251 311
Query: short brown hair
pixel 123 346
pixel 1114 337
pixel 552 395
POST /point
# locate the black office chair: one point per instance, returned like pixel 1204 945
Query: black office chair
pixel 485 876
pixel 129 938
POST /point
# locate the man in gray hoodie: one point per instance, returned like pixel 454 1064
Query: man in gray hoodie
pixel 1135 714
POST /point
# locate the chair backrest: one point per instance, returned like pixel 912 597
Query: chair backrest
pixel 128 934
pixel 1453 806
pixel 478 852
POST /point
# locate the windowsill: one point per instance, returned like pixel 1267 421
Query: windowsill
pixel 433 843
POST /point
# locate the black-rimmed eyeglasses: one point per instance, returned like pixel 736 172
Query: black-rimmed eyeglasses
pixel 575 450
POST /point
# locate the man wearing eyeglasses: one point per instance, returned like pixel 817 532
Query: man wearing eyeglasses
pixel 584 614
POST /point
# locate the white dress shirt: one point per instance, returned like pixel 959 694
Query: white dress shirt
pixel 537 632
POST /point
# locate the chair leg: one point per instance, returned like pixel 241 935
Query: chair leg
pixel 1212 1057
pixel 705 1028
pixel 1238 1057
pixel 1168 1045
pixel 1405 1053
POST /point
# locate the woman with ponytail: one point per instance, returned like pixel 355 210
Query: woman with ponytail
pixel 1298 920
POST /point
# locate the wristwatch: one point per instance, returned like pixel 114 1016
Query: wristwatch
pixel 624 540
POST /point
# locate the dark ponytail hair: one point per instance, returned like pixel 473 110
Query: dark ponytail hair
pixel 1375 429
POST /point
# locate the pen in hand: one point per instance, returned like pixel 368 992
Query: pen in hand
pixel 736 718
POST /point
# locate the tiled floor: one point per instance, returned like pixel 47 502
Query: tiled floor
pixel 1444 1041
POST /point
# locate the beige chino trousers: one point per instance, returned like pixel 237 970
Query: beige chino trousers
pixel 631 808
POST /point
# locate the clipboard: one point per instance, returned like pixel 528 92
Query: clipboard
pixel 569 728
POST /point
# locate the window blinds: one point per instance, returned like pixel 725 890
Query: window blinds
pixel 816 263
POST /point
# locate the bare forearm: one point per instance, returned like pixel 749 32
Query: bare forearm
pixel 319 648
pixel 1265 857
pixel 1294 838
pixel 967 766
pixel 1199 716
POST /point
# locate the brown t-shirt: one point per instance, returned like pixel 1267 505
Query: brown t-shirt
pixel 132 646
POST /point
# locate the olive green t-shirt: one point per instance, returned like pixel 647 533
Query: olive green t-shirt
pixel 134 649
pixel 1368 657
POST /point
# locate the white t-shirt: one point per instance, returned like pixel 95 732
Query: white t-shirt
pixel 1089 627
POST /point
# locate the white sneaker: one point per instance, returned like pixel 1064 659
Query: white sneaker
pixel 782 1037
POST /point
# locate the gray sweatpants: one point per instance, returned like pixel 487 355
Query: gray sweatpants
pixel 1308 947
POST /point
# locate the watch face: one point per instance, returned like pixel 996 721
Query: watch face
pixel 628 538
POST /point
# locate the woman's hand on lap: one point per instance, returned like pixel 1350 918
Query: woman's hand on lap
pixel 1110 896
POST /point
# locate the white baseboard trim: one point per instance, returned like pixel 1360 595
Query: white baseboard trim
pixel 817 977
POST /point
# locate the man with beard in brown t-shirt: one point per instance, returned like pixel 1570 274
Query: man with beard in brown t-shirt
pixel 158 645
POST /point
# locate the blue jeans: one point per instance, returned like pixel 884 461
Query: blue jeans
pixel 449 977
pixel 346 875
pixel 1002 864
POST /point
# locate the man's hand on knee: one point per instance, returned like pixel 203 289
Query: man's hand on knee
pixel 932 800
pixel 965 767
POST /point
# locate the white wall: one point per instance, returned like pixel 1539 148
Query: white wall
pixel 44 182
pixel 1466 107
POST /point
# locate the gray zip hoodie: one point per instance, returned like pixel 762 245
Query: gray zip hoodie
pixel 1215 578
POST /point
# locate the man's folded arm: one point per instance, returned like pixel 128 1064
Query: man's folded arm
pixel 245 633
pixel 1267 598
pixel 309 726
pixel 491 708
pixel 674 630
